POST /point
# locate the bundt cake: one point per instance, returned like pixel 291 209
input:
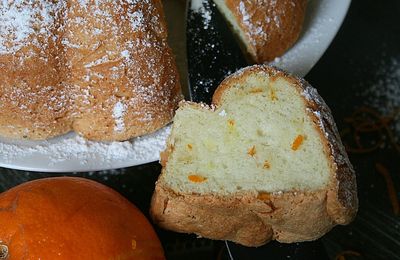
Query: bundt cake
pixel 264 163
pixel 100 68
pixel 265 28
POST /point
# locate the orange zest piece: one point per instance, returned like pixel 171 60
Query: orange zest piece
pixel 367 122
pixel 267 165
pixel 273 95
pixel 197 178
pixel 297 142
pixel 256 90
pixel 252 151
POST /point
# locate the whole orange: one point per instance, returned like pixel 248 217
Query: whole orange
pixel 73 218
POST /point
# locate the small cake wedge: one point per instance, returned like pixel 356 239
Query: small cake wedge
pixel 266 29
pixel 265 162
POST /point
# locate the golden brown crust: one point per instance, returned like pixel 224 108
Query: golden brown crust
pixel 110 72
pixel 246 219
pixel 33 98
pixel 141 87
pixel 252 219
pixel 270 27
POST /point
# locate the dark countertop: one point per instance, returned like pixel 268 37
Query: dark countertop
pixel 361 68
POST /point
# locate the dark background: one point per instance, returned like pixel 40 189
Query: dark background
pixel 364 54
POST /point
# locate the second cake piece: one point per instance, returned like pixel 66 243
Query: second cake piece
pixel 266 163
pixel 265 28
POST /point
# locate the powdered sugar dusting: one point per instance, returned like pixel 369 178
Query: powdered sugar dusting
pixel 202 7
pixel 118 115
pixel 383 93
pixel 137 20
pixel 255 30
pixel 13 22
pixel 125 54
pixel 88 55
pixel 222 113
pixel 19 19
pixel 326 123
pixel 79 153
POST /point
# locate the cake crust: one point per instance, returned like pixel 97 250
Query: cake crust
pixel 254 218
pixel 130 84
pixel 34 100
pixel 100 68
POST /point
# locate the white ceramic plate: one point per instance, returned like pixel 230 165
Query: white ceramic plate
pixel 70 153
pixel 323 20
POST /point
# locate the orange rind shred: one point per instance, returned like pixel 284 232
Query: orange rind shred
pixel 369 131
pixel 273 95
pixel 252 151
pixel 297 142
pixel 266 165
pixel 256 90
pixel 196 178
pixel 367 122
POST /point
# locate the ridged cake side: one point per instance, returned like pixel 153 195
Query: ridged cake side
pixel 101 68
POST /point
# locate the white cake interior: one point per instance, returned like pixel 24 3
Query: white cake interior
pixel 261 138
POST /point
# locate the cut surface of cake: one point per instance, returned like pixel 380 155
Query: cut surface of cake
pixel 264 162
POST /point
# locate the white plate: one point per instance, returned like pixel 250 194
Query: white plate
pixel 323 20
pixel 70 153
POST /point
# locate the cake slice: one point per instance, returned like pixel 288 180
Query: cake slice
pixel 265 28
pixel 265 162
